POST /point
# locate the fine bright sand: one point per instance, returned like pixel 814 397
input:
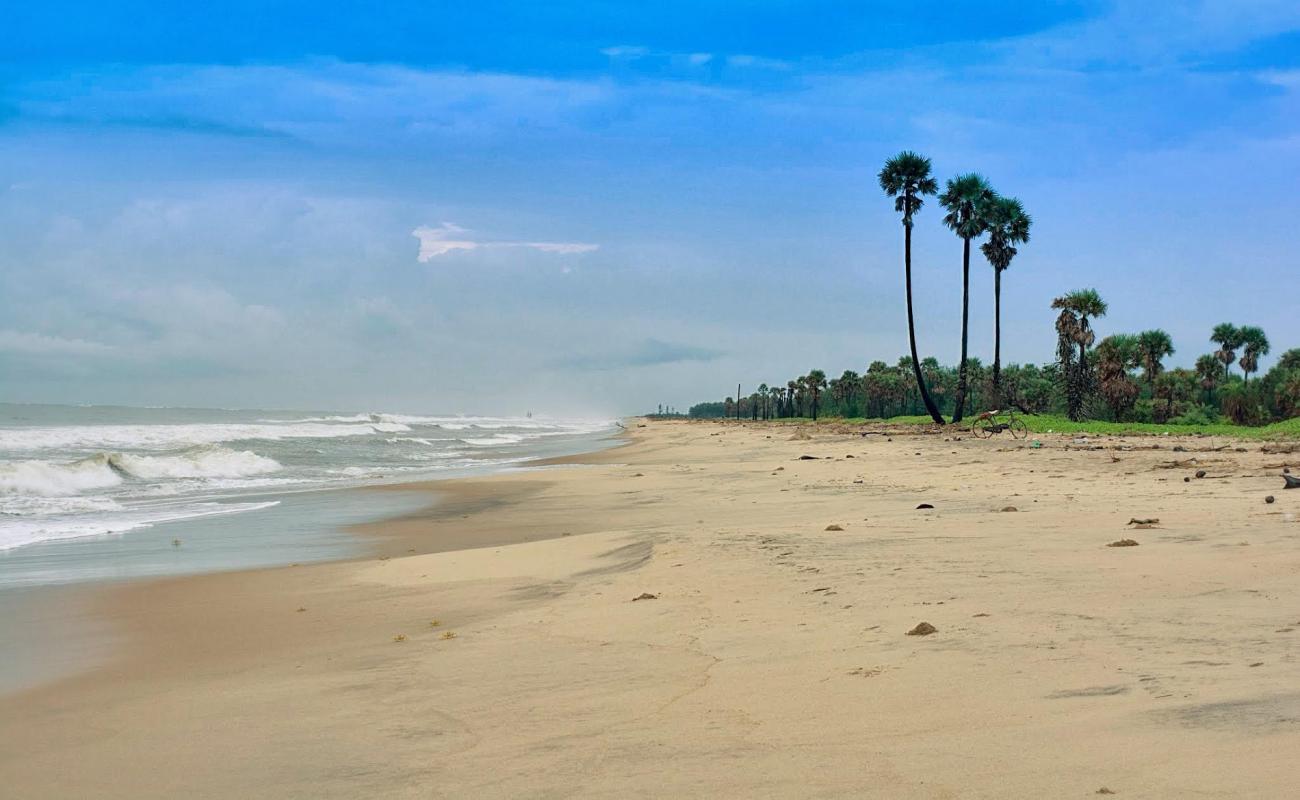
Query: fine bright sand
pixel 773 659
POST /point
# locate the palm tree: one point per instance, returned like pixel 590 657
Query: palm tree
pixel 1209 371
pixel 967 198
pixel 1254 344
pixel 815 381
pixel 906 178
pixel 1153 346
pixel 790 387
pixel 1008 226
pixel 1073 329
pixel 848 384
pixel 1228 338
pixel 1116 355
pixel 761 400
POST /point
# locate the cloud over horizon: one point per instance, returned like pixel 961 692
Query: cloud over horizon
pixel 448 238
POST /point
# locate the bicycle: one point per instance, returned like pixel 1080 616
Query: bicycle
pixel 991 423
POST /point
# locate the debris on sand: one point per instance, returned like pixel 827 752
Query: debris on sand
pixel 1269 499
pixel 808 458
pixel 834 528
pixel 924 505
pixel 1146 521
pixel 645 596
pixel 1104 790
pixel 639 475
pixel 401 637
pixel 448 635
pixel 923 629
pixel 981 614
pixel 1009 509
pixel 1292 482
pixel 1123 543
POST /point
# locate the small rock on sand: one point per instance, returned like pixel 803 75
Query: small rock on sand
pixel 808 458
pixel 923 629
pixel 1009 509
pixel 834 528
pixel 1269 499
pixel 1200 473
pixel 1123 543
pixel 645 596
pixel 924 505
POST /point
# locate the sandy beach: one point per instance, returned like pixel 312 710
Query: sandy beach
pixel 493 645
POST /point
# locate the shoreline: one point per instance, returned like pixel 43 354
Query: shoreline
pixel 68 606
pixel 772 661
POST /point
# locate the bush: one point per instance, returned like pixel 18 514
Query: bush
pixel 1197 415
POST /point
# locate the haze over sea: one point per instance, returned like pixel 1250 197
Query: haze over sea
pixel 101 492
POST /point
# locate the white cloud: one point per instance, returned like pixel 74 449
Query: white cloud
pixel 699 58
pixel 436 242
pixel 565 248
pixel 439 241
pixel 36 344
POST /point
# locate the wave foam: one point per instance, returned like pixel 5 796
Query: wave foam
pixel 107 470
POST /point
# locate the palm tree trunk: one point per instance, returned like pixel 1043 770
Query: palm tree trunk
pixel 960 399
pixel 911 328
pixel 997 336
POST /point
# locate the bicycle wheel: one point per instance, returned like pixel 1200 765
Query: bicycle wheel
pixel 985 429
pixel 1018 429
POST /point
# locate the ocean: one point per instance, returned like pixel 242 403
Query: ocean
pixel 98 492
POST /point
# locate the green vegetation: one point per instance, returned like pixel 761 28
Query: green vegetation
pixel 1056 423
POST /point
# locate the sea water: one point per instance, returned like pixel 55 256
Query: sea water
pixel 101 493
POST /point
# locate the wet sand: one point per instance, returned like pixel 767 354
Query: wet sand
pixel 773 659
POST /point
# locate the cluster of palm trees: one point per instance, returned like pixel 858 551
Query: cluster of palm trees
pixel 1117 356
pixel 973 209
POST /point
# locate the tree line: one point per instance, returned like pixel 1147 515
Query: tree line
pixel 1122 377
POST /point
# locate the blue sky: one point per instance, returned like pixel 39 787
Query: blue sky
pixel 599 207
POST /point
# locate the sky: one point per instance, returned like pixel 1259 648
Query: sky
pixel 595 208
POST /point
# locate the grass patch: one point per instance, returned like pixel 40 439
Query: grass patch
pixel 1052 423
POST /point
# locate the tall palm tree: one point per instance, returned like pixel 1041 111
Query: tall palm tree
pixel 1228 338
pixel 1008 226
pixel 1253 345
pixel 966 198
pixel 1153 347
pixel 906 178
pixel 815 381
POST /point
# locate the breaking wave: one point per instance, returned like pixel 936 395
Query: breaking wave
pixel 105 470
